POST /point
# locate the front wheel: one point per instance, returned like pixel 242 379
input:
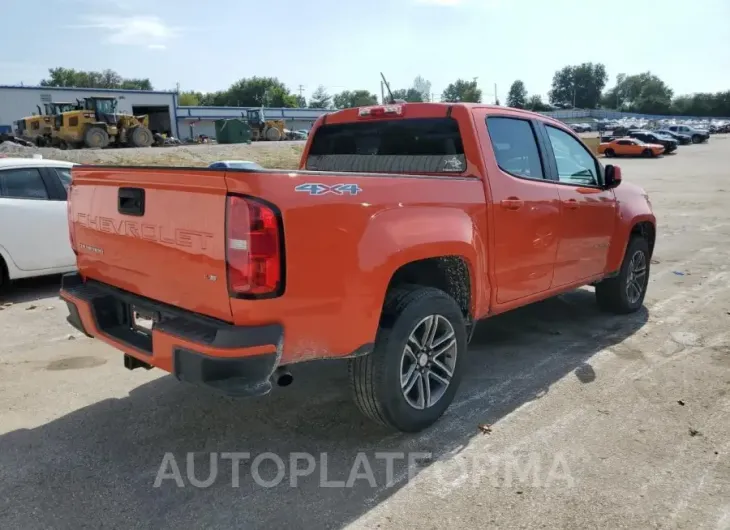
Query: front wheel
pixel 141 137
pixel 696 139
pixel 412 375
pixel 647 153
pixel 625 292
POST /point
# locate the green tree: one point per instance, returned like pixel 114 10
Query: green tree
pixel 703 104
pixel 68 77
pixel 213 99
pixel 301 101
pixel 257 91
pixel 408 94
pixel 517 96
pixel 535 104
pixel 460 90
pixel 423 87
pixel 355 98
pixel 644 93
pixel 579 86
pixel 189 99
pixel 136 84
pixel 320 99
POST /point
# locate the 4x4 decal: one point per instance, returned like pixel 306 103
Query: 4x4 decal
pixel 323 189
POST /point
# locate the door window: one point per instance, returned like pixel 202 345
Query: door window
pixel 25 183
pixel 575 164
pixel 515 147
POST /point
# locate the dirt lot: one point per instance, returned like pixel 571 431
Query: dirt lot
pixel 596 420
pixel 283 155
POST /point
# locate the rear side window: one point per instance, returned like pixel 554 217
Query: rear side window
pixel 419 145
pixel 515 147
pixel 22 184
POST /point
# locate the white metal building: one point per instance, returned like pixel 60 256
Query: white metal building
pixel 196 121
pixel 17 102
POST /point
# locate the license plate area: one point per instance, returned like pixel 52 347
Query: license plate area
pixel 143 321
pixel 125 322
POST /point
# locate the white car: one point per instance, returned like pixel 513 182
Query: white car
pixel 34 239
pixel 234 164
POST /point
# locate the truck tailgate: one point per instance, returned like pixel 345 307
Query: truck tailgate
pixel 158 233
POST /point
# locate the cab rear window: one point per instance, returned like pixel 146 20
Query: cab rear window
pixel 418 145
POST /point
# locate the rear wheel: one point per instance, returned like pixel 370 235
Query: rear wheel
pixel 412 375
pixel 96 137
pixel 610 153
pixel 625 292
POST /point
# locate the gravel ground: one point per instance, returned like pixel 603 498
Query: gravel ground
pixel 283 155
pixel 568 418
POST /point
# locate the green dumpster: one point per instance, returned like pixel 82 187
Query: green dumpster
pixel 232 131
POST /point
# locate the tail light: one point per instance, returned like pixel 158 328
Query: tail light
pixel 69 216
pixel 253 248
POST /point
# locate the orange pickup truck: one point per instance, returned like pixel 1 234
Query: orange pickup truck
pixel 404 226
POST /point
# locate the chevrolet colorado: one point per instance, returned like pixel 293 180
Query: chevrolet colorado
pixel 404 226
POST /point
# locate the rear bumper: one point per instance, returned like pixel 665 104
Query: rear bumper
pixel 234 360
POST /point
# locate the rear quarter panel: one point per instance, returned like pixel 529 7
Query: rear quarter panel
pixel 342 250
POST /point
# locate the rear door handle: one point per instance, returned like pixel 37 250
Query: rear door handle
pixel 513 203
pixel 571 204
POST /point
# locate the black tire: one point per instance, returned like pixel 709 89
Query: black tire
pixel 610 153
pixel 4 276
pixel 696 139
pixel 647 153
pixel 141 137
pixel 376 378
pixel 96 138
pixel 612 293
pixel 273 134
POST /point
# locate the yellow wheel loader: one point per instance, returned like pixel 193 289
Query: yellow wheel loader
pixel 38 128
pixel 263 129
pixel 95 123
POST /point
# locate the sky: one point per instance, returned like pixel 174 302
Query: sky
pixel 206 45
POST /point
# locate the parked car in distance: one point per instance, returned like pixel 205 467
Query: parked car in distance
pixel 698 136
pixel 669 143
pixel 581 127
pixel 629 147
pixel 34 236
pixel 683 139
pixel 404 226
pixel 234 164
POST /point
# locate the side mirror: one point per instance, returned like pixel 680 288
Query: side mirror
pixel 613 176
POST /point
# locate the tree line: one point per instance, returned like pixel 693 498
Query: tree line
pixel 580 86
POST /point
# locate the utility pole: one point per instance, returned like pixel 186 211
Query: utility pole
pixel 496 99
pixel 573 93
pixel 382 92
pixel 301 96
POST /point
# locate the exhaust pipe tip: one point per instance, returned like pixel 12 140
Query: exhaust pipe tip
pixel 282 376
